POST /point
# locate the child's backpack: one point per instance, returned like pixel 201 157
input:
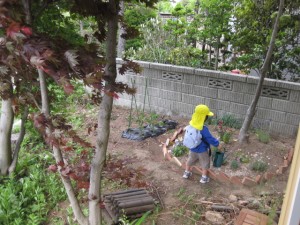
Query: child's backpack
pixel 192 137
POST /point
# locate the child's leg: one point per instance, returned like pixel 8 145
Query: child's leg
pixel 205 165
pixel 193 157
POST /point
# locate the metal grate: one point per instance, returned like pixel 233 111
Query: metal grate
pixel 172 76
pixel 275 93
pixel 218 83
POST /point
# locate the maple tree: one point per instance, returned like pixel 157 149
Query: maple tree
pixel 23 51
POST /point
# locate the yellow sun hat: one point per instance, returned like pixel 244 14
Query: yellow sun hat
pixel 198 118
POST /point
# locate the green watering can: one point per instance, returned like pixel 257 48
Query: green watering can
pixel 218 158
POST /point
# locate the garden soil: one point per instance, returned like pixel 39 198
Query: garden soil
pixel 181 200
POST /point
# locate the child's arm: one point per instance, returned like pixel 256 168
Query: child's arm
pixel 209 138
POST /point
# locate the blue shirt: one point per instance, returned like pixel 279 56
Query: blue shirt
pixel 207 139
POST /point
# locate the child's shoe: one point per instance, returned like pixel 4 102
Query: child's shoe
pixel 187 174
pixel 204 180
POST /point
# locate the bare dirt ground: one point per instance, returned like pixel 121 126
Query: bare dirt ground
pixel 182 200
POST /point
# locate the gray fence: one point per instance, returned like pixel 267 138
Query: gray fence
pixel 176 90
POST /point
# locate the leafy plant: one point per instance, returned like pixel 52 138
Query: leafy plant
pixel 180 150
pixel 263 136
pixel 231 121
pixel 234 165
pixel 259 166
pixel 226 137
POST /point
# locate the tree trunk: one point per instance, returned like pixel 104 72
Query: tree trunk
pixel 103 121
pixel 217 54
pixel 82 220
pixel 6 123
pixel 44 93
pixel 121 41
pixel 19 142
pixel 263 71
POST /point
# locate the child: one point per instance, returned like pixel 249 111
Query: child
pixel 200 152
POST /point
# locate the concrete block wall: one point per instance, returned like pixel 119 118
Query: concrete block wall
pixel 176 90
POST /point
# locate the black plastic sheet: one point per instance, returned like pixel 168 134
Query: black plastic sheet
pixel 141 133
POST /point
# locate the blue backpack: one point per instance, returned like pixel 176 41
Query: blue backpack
pixel 192 137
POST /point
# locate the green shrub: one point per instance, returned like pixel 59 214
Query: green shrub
pixel 226 137
pixel 263 136
pixel 180 150
pixel 231 121
pixel 259 166
pixel 234 165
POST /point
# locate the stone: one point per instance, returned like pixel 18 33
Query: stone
pixel 232 198
pixel 214 217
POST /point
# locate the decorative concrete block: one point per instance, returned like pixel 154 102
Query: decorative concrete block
pixel 207 73
pixel 283 129
pixel 192 99
pixel 292 119
pixel 143 64
pixel 288 85
pixel 205 92
pixel 243 87
pixel 161 66
pixel 238 108
pixel 263 102
pixel 252 80
pixel 211 103
pixel 156 83
pixel 235 77
pixel 189 79
pixel 201 81
pixel 295 96
pixel 286 106
pixel 155 92
pixel 223 105
pixel 231 96
pixel 187 88
pixel 171 86
pixel 172 95
pixel 152 73
pixel 159 102
pixel 183 69
pixel 180 108
pixel 269 82
pixel 272 115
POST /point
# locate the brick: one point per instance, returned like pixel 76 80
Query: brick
pixel 187 88
pixel 288 85
pixel 205 91
pixel 221 176
pixel 268 175
pixel 212 175
pixel 258 179
pixel 283 129
pixel 201 81
pixel 263 102
pixel 273 115
pixel 243 87
pixel 295 96
pixel 208 73
pixel 196 170
pixel 292 118
pixel 282 169
pixel 235 180
pixel 290 155
pixel 238 108
pixel 286 106
pixel 235 77
pixel 248 182
pixel 285 162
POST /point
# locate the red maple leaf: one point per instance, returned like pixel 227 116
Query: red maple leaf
pixel 12 29
pixel 26 30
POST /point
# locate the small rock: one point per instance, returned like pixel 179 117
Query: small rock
pixel 232 198
pixel 214 217
pixel 243 202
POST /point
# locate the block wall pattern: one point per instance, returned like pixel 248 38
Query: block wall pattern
pixel 176 90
